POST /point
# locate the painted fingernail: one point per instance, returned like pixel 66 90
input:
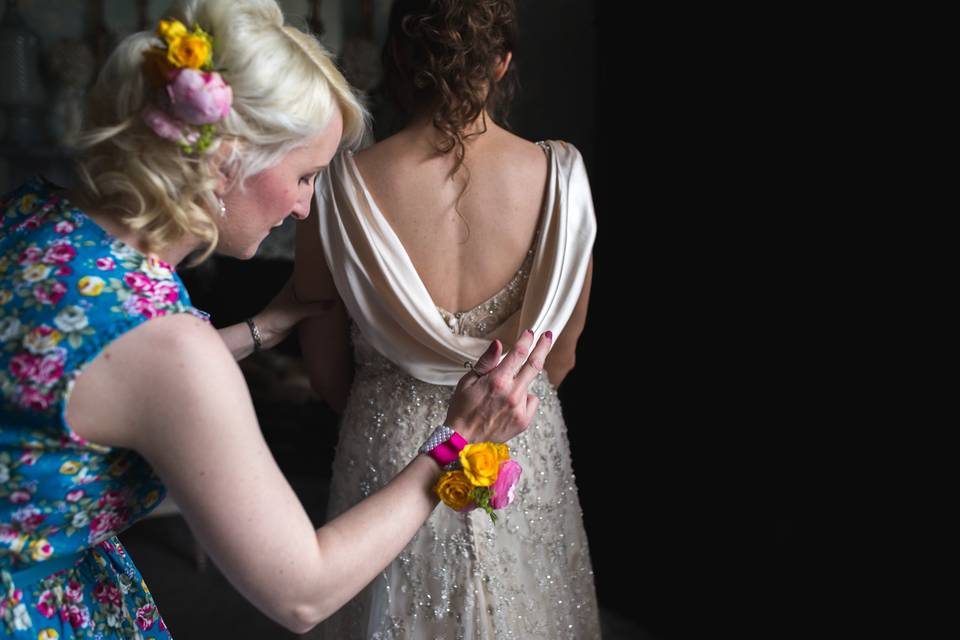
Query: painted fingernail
pixel 530 331
pixel 549 335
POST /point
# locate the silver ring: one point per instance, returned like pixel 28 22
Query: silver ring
pixel 469 365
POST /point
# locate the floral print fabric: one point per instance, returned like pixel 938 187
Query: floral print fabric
pixel 67 289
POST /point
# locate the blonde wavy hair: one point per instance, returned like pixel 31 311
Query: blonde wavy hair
pixel 285 89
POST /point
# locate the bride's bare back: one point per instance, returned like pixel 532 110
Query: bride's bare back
pixel 463 258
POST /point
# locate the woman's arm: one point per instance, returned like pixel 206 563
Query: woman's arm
pixel 188 412
pixel 563 356
pixel 239 339
pixel 274 323
pixel 324 339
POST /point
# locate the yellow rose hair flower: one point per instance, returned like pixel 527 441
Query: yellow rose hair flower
pixel 170 30
pixel 191 51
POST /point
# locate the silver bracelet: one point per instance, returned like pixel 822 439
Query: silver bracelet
pixel 440 435
pixel 255 332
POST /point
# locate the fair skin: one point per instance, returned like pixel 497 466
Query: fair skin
pixel 251 214
pixel 192 400
pixel 461 266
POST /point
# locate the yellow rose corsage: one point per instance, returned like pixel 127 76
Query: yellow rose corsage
pixel 485 476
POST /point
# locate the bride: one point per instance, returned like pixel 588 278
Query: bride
pixel 446 235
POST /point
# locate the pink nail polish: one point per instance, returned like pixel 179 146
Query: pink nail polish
pixel 549 335
pixel 530 331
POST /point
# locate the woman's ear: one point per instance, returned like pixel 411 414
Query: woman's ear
pixel 220 167
pixel 502 65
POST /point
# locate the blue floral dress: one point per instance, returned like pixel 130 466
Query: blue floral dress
pixel 67 289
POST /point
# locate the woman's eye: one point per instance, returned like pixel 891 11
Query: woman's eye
pixel 310 178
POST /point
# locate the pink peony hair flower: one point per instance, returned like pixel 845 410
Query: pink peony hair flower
pixel 168 127
pixel 200 97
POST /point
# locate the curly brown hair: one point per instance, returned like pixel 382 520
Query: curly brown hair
pixel 441 56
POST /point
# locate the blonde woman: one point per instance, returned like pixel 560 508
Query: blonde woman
pixel 202 136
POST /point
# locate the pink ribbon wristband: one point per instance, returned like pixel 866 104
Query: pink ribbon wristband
pixel 448 451
pixel 458 441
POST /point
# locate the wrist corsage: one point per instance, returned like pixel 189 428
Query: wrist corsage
pixel 485 477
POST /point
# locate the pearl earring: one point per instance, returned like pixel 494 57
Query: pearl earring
pixel 223 207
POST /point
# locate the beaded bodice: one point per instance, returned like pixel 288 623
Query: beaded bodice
pixel 485 317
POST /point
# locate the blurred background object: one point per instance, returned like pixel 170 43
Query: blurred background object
pixel 22 91
pixel 72 68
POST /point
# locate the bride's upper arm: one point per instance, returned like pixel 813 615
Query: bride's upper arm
pixel 324 339
pixel 311 275
pixel 562 356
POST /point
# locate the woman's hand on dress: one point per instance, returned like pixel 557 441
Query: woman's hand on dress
pixel 282 314
pixel 491 402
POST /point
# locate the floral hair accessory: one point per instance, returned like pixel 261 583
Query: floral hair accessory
pixel 195 97
pixel 486 478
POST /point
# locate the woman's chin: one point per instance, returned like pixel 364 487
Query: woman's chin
pixel 244 253
pixel 242 250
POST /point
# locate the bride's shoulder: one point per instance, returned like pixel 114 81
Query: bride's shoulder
pixel 560 146
pixel 515 143
pixel 522 155
pixel 568 156
pixel 387 147
pixel 533 151
pixel 386 152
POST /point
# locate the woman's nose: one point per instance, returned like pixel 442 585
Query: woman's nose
pixel 301 210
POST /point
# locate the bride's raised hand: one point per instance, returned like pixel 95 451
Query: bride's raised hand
pixel 492 402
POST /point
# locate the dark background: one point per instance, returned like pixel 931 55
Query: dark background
pixel 703 411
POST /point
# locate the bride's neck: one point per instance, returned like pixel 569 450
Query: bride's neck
pixel 421 126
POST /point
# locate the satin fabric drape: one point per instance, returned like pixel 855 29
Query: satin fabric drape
pixel 393 309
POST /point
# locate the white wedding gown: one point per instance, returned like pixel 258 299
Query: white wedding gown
pixel 529 576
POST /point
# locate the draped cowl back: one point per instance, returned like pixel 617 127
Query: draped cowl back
pixel 388 301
